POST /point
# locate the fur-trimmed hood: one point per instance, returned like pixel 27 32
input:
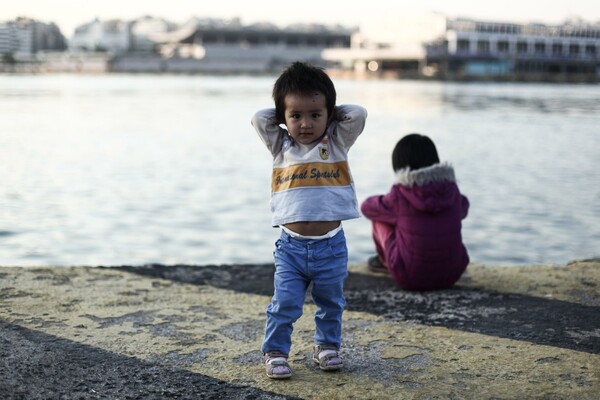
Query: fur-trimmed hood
pixel 442 172
pixel 429 189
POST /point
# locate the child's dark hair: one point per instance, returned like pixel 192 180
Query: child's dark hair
pixel 414 151
pixel 305 79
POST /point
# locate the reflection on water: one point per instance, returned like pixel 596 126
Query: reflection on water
pixel 135 169
pixel 577 100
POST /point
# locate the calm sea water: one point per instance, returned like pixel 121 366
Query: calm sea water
pixel 137 169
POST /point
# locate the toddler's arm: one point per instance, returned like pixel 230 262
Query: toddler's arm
pixel 348 123
pixel 268 129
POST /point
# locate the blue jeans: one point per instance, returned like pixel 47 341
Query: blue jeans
pixel 298 262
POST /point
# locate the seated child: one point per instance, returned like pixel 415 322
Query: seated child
pixel 417 225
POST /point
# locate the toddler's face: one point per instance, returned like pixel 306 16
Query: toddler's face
pixel 306 116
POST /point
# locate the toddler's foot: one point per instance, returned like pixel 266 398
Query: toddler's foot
pixel 327 357
pixel 375 265
pixel 277 366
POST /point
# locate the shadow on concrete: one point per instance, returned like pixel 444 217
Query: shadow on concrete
pixel 514 316
pixel 36 365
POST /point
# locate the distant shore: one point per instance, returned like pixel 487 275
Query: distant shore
pixel 154 67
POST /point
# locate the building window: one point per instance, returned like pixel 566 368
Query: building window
pixel 574 49
pixel 462 46
pixel 252 39
pixel 502 47
pixel 521 47
pixel 557 48
pixel 590 50
pixel 209 38
pixel 272 39
pixel 540 48
pixel 231 38
pixel 483 46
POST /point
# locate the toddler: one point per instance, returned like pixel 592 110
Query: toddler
pixel 312 191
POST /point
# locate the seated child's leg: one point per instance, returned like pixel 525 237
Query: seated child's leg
pixel 286 305
pixel 383 236
pixel 388 251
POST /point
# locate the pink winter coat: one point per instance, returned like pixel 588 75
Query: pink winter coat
pixel 423 209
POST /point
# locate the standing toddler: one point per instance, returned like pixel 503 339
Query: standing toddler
pixel 312 191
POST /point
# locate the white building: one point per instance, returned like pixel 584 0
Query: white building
pixel 8 38
pixel 228 46
pixel 144 29
pixel 472 48
pixel 112 36
pixel 22 38
pixel 390 46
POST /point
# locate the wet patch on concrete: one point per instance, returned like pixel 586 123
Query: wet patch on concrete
pixel 518 317
pixel 254 357
pixel 36 365
pixel 181 359
pixel 10 292
pixel 374 361
pixel 139 318
pixel 246 331
pixel 522 317
pixel 45 323
pixel 252 278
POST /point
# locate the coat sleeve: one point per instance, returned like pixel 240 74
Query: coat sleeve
pixel 381 208
pixel 465 206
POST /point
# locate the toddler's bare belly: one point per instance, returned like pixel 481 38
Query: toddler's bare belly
pixel 313 228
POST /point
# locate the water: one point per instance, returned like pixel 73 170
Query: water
pixel 137 169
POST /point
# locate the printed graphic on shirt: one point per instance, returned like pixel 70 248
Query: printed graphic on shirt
pixel 324 149
pixel 324 152
pixel 310 174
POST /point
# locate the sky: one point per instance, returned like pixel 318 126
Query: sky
pixel 381 20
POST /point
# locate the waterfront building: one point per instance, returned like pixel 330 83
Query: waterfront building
pixel 391 47
pixel 112 36
pixel 69 61
pixel 22 38
pixel 477 49
pixel 144 29
pixel 228 46
pixel 8 39
pixel 364 59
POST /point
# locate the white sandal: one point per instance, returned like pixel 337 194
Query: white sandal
pixel 277 366
pixel 327 357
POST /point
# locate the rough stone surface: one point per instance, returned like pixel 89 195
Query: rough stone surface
pixel 194 332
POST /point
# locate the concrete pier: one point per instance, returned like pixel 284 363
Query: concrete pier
pixel 194 332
